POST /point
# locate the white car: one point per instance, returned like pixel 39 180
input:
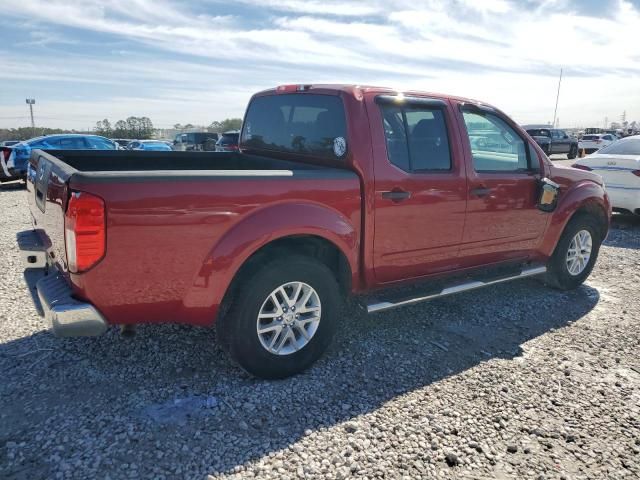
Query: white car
pixel 619 166
pixel 594 142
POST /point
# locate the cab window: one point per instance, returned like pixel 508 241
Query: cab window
pixel 416 138
pixel 495 146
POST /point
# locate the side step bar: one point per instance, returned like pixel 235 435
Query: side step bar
pixel 380 306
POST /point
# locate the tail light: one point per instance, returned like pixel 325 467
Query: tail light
pixel 636 172
pixel 84 231
pixel 582 167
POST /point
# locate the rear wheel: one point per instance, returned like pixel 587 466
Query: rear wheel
pixel 575 254
pixel 573 152
pixel 282 318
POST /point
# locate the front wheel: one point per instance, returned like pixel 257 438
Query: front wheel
pixel 573 152
pixel 575 254
pixel 282 318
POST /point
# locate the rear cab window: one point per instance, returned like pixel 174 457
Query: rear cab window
pixel 307 124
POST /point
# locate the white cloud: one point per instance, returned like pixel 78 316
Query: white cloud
pixel 495 50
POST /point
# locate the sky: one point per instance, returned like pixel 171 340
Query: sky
pixel 179 61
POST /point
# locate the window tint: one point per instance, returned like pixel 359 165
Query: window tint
pixel 100 143
pixel 229 139
pixel 301 123
pixel 539 132
pixel 72 143
pixel 416 138
pixel 46 143
pixel 495 146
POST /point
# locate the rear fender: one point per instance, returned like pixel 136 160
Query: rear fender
pixel 583 194
pixel 257 230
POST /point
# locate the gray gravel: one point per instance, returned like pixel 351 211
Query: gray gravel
pixel 517 381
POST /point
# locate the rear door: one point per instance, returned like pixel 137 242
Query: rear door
pixel 420 187
pixel 502 222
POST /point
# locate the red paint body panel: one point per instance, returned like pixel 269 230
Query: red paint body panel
pixel 175 242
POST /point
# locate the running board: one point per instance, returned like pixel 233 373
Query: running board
pixel 380 306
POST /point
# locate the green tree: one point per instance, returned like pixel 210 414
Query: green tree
pixel 226 125
pixel 120 129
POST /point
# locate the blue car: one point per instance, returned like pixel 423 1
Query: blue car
pixel 149 145
pixel 14 160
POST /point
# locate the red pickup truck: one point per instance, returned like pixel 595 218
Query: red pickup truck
pixel 335 190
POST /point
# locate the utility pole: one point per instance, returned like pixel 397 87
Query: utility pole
pixel 557 97
pixel 31 102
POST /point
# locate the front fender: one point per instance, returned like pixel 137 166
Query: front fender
pixel 578 196
pixel 257 230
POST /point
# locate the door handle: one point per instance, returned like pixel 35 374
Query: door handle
pixel 396 195
pixel 481 191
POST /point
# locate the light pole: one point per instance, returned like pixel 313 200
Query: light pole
pixel 557 98
pixel 31 102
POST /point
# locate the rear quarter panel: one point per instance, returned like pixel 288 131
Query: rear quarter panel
pixel 173 246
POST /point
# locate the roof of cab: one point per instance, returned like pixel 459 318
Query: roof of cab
pixel 358 90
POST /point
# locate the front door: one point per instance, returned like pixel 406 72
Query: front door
pixel 420 188
pixel 503 222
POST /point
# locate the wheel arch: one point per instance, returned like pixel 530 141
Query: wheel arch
pixel 587 198
pixel 305 228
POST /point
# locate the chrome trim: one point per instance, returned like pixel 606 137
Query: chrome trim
pixel 463 287
pixel 66 316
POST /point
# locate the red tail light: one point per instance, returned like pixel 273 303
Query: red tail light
pixel 84 231
pixel 5 152
pixel 582 167
pixel 636 172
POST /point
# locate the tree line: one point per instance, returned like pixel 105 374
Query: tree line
pixel 140 128
pixel 25 133
pixel 218 126
pixel 133 127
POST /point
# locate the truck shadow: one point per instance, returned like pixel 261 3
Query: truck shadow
pixel 169 398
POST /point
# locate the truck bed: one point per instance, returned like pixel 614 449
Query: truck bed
pixel 166 212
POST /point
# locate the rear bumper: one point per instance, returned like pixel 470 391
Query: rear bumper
pixel 625 198
pixel 65 316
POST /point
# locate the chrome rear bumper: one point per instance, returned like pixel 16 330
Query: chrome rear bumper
pixel 66 316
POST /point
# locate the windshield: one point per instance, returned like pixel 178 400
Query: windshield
pixel 623 147
pixel 590 137
pixel 300 123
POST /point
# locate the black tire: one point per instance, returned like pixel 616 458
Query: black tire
pixel 573 152
pixel 236 330
pixel 558 275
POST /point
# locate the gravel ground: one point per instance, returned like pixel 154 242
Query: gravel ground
pixel 517 381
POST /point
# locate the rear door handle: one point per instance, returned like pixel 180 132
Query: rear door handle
pixel 481 191
pixel 396 195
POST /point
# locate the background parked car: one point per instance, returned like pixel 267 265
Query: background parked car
pixel 16 157
pixel 553 140
pixel 593 143
pixel 193 140
pixel 228 142
pixel 619 166
pixel 122 142
pixel 149 145
pixel 9 143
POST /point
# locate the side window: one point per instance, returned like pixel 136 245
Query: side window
pixel 72 143
pixel 416 138
pixel 495 146
pixel 98 143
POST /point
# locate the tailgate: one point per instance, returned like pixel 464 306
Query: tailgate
pixel 47 193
